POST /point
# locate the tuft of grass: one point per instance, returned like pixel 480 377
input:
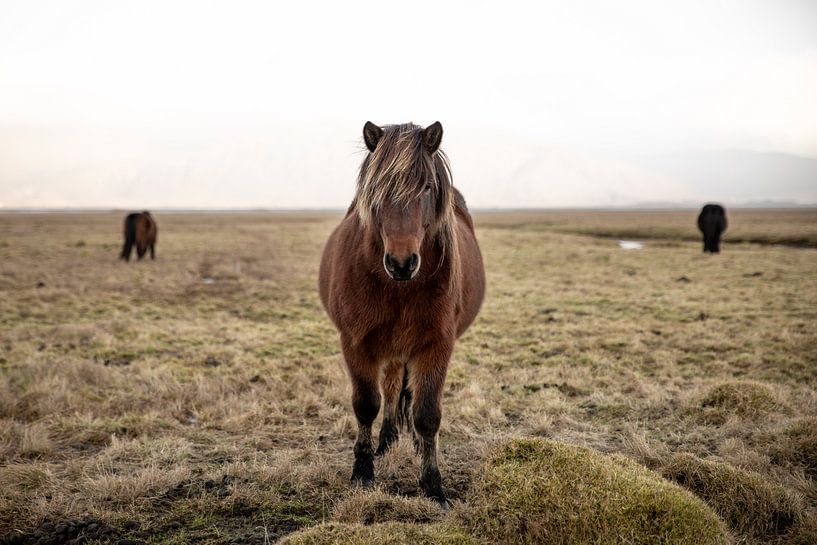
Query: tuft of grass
pixel 797 445
pixel 749 503
pixel 7 400
pixel 389 533
pixel 369 507
pixel 24 477
pixel 542 491
pixel 137 487
pixel 35 442
pixel 744 399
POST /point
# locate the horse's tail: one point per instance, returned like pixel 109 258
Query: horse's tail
pixel 405 421
pixel 130 236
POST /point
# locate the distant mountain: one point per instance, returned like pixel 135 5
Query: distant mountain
pixel 507 170
pixel 740 177
pixel 284 165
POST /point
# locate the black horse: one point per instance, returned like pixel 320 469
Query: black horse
pixel 712 223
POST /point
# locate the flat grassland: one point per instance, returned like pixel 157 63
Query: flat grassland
pixel 201 397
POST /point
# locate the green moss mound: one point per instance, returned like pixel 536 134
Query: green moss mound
pixel 539 491
pixel 744 399
pixel 367 507
pixel 749 504
pixel 390 533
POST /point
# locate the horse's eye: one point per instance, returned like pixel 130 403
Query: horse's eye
pixel 428 187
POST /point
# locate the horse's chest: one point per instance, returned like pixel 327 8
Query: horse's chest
pixel 407 330
pixel 405 324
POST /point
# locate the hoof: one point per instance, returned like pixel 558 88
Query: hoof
pixel 439 498
pixel 363 482
pixel 432 486
pixel 436 494
pixel 363 472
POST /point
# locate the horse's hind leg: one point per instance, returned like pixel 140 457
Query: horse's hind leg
pixel 153 251
pixel 394 380
pixel 366 403
pixel 427 378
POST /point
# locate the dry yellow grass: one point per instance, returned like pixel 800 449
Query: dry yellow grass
pixel 202 398
pixel 370 507
pixel 392 533
pixel 792 227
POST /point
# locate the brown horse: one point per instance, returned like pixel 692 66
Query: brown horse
pixel 140 229
pixel 402 278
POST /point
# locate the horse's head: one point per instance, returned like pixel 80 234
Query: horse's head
pixel 404 192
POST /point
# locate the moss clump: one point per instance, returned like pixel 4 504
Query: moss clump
pixel 390 533
pixel 748 503
pixel 744 399
pixel 797 445
pixel 371 507
pixel 539 491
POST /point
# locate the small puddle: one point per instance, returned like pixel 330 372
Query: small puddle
pixel 630 245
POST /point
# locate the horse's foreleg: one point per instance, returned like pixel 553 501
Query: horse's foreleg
pixel 126 250
pixel 366 403
pixel 393 382
pixel 427 380
pixel 152 251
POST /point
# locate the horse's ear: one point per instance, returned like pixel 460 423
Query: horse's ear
pixel 371 135
pixel 432 136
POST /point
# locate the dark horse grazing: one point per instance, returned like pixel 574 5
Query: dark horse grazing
pixel 402 278
pixel 712 223
pixel 140 229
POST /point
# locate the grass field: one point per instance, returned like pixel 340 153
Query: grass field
pixel 201 398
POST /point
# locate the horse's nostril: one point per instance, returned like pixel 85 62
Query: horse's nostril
pixel 413 261
pixel 390 262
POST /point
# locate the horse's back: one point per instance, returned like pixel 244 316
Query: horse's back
pixel 329 270
pixel 461 209
pixel 472 270
pixel 325 271
pixel 712 216
pixel 147 228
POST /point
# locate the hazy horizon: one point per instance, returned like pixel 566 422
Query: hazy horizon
pixel 253 106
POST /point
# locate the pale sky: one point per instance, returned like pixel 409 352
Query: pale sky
pixel 261 104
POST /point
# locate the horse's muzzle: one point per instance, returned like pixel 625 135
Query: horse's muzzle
pixel 405 269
